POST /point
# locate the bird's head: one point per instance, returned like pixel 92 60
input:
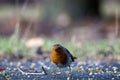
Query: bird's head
pixel 57 48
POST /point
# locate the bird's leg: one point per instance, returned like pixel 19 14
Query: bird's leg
pixel 69 73
pixel 57 72
pixel 69 69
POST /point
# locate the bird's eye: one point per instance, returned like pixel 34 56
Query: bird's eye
pixel 58 49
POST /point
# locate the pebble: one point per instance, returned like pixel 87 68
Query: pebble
pixel 32 65
pixel 86 72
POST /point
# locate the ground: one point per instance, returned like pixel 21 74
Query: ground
pixel 80 71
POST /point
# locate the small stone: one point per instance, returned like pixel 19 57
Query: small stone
pixel 14 69
pixel 90 73
pixel 28 76
pixel 19 63
pixel 32 65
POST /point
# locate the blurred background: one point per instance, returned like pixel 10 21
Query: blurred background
pixel 90 29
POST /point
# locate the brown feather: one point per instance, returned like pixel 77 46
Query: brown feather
pixel 58 57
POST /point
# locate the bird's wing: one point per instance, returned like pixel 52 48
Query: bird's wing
pixel 70 55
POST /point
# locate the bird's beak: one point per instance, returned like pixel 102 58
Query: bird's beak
pixel 55 47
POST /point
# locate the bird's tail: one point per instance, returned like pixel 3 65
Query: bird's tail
pixel 75 57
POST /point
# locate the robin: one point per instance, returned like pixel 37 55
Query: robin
pixel 61 57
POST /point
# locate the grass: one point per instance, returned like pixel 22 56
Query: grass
pixel 4 74
pixel 86 49
pixel 49 43
pixel 10 46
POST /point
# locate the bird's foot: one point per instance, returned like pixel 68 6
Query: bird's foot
pixel 69 76
pixel 56 73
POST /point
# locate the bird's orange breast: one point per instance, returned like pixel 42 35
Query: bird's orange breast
pixel 58 58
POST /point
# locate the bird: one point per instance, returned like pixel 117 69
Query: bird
pixel 61 57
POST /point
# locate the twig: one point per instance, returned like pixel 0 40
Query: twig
pixel 24 6
pixel 27 73
pixel 116 22
pixel 44 70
